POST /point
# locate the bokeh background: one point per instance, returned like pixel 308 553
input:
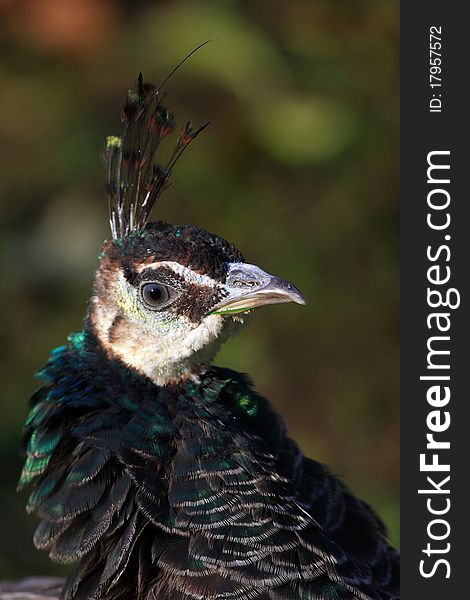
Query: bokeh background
pixel 299 168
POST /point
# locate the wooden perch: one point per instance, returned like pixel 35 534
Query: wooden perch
pixel 32 588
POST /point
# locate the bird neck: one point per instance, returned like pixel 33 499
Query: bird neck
pixel 230 395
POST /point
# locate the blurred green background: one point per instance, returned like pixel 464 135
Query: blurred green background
pixel 299 168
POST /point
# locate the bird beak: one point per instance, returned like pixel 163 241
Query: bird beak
pixel 247 286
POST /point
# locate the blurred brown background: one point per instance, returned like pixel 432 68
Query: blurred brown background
pixel 299 168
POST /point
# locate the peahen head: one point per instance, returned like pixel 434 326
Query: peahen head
pixel 165 296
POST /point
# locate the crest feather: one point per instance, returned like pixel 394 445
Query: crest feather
pixel 135 178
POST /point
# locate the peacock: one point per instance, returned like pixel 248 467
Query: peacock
pixel 156 474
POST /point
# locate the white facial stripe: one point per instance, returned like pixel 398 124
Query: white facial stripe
pixel 188 275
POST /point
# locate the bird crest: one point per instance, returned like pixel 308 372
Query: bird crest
pixel 136 178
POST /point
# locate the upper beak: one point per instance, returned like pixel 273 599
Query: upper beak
pixel 247 286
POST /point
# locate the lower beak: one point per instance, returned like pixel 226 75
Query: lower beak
pixel 247 286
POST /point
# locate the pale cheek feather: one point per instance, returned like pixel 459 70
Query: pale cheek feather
pixel 166 358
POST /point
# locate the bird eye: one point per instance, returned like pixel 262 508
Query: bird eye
pixel 156 295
